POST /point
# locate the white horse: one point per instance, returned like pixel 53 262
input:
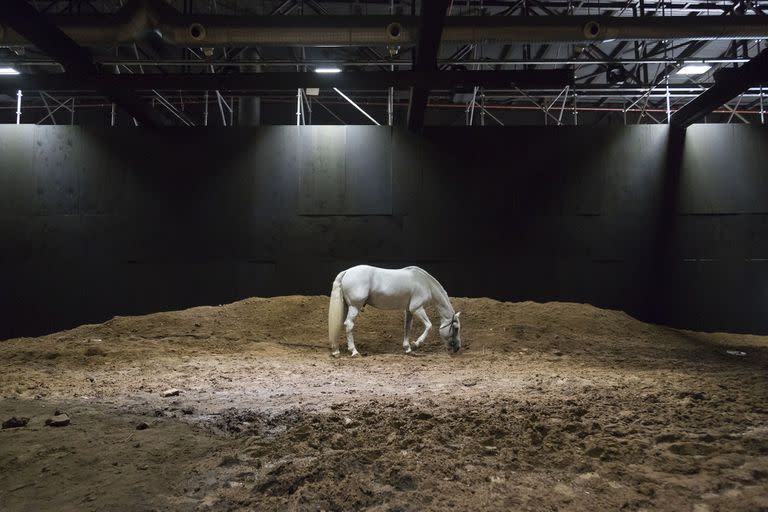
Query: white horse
pixel 409 289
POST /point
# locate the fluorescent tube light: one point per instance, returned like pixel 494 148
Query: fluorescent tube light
pixel 694 69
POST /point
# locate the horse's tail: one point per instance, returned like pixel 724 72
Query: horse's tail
pixel 335 314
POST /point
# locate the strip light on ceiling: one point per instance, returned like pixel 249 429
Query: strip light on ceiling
pixel 693 69
pixel 8 71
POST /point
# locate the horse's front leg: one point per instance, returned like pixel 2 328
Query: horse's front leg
pixel 349 324
pixel 408 322
pixel 422 315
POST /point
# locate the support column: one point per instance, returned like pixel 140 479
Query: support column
pixel 249 107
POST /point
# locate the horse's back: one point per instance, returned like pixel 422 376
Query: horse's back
pixel 381 287
pixel 368 271
pixel 370 268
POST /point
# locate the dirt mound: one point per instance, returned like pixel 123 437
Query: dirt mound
pixel 487 325
pixel 546 407
pixel 306 316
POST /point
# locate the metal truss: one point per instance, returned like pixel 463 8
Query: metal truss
pixel 614 80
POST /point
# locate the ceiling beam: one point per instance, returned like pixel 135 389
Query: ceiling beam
pixel 77 61
pixel 432 19
pixel 153 60
pixel 242 83
pixel 729 83
pixel 139 17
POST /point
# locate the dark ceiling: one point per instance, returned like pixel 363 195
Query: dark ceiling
pixel 487 62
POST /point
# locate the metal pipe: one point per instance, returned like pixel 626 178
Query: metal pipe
pixel 205 112
pixel 482 109
pixel 726 110
pixel 172 109
pixel 492 116
pixel 471 107
pixel 18 107
pixel 564 91
pixel 647 93
pixel 48 108
pixel 301 108
pixel 356 106
pixel 733 112
pixel 163 101
pixel 140 17
pixel 52 112
pixel 221 108
pixel 389 62
pixel 298 107
pixel 330 112
pixel 306 107
pixel 543 108
pixel 575 110
pixel 562 108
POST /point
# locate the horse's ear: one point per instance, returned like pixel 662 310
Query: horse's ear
pixel 457 314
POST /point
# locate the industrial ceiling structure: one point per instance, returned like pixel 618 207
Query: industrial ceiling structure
pixel 473 62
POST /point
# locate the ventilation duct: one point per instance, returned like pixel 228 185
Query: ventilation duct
pixel 139 17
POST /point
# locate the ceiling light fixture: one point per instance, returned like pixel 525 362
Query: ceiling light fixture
pixel 327 70
pixel 8 71
pixel 693 69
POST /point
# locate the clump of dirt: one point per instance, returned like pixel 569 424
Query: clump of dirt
pixel 547 406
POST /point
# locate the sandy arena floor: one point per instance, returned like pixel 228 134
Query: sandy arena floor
pixel 547 407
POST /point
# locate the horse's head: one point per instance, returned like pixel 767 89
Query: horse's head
pixel 451 333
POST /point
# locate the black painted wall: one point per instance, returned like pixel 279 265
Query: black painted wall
pixel 668 227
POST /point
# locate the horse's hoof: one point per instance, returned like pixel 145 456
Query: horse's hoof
pixel 355 354
pixel 335 354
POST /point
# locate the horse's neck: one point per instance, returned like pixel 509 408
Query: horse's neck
pixel 441 300
pixel 445 310
pixel 439 295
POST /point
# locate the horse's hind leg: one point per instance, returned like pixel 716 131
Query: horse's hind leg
pixel 408 322
pixel 349 324
pixel 422 315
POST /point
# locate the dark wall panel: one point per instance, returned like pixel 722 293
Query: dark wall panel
pixel 369 171
pixel 323 170
pixel 724 170
pixel 57 158
pixel 17 179
pixel 99 223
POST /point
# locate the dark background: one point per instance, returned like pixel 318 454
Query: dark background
pixel 667 226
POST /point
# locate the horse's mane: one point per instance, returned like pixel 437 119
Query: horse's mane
pixel 434 282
